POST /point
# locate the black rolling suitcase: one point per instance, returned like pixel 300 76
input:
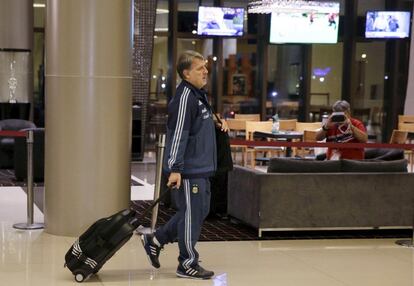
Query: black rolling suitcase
pixel 101 240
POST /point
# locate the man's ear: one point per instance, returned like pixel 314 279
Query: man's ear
pixel 186 73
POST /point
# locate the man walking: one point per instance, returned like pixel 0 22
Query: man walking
pixel 190 160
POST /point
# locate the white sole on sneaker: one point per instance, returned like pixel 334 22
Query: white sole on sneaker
pixel 148 257
pixel 181 275
pixel 191 277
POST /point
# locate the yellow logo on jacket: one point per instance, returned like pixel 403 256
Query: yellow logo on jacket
pixel 195 189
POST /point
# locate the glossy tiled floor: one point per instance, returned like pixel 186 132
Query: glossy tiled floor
pixel 36 258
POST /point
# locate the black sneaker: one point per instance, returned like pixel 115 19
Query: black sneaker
pixel 152 250
pixel 196 272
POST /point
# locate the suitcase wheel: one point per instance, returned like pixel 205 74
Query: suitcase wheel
pixel 79 277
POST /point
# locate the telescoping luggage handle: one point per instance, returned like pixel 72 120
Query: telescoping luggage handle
pixel 154 203
pixel 157 187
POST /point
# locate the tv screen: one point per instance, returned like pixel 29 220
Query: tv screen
pixel 387 24
pixel 316 22
pixel 220 21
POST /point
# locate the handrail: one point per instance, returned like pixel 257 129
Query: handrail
pixel 12 133
pixel 251 143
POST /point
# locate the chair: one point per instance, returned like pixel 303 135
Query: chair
pixel 405 119
pixel 236 128
pixel 310 126
pixel 7 143
pixel 405 126
pixel 264 126
pixel 250 117
pixel 252 126
pixel 236 125
pixel 302 126
pixel 308 136
pixel 287 124
pixel 400 137
pixel 409 128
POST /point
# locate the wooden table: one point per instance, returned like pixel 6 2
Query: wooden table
pixel 286 135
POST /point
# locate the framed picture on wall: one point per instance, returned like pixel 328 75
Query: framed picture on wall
pixel 239 84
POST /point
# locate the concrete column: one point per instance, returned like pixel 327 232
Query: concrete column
pixel 88 112
pixel 16 24
pixel 16 45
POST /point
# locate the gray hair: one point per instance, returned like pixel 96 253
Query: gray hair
pixel 341 106
pixel 185 60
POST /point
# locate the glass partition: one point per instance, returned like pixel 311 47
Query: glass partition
pixel 368 97
pixel 326 79
pixel 239 80
pixel 285 80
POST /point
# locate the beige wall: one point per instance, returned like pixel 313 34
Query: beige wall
pixel 374 72
pixel 323 57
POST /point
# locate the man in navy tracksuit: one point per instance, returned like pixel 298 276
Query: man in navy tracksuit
pixel 190 159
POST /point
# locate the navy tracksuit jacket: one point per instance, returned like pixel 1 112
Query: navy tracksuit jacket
pixel 191 151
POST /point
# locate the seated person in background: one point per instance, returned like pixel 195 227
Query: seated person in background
pixel 343 130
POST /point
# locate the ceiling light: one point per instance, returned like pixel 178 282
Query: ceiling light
pixel 162 11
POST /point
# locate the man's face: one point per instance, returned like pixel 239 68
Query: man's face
pixel 197 74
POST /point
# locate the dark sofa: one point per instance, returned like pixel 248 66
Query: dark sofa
pixel 316 195
pixel 385 154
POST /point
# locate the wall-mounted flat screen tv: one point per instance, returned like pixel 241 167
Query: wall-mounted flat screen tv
pixel 387 24
pixel 220 21
pixel 315 22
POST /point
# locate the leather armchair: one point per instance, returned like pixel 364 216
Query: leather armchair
pixel 7 143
